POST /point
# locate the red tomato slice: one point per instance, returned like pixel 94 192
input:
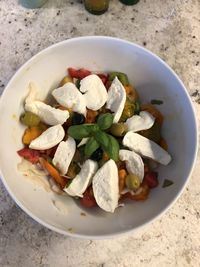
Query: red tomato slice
pixel 29 154
pixel 151 179
pixel 88 199
pixel 78 73
pixel 103 77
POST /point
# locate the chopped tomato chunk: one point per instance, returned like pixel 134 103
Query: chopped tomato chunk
pixel 88 199
pixel 60 180
pixel 103 77
pixel 29 154
pixel 78 73
pixel 151 179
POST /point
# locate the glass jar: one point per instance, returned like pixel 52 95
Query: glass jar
pixel 32 3
pixel 129 2
pixel 96 7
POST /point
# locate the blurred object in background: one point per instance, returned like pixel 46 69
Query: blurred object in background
pixel 96 7
pixel 32 3
pixel 129 2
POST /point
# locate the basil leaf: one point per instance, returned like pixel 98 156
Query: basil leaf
pixel 103 139
pixel 105 121
pixel 91 146
pixel 113 148
pixel 82 131
pixel 167 183
pixel 109 144
pixel 156 102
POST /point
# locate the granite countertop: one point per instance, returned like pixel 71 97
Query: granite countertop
pixel 170 29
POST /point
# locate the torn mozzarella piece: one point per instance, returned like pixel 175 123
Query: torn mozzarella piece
pixel 95 93
pixel 69 96
pixel 116 99
pixel 140 122
pixel 134 163
pixel 49 138
pixel 82 180
pixel 83 141
pixel 105 186
pixel 47 114
pixel 32 93
pixel 146 148
pixel 64 154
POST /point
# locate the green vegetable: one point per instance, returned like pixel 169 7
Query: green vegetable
pixel 121 76
pixel 118 129
pixel 128 111
pixel 113 148
pixel 30 119
pixel 132 182
pixel 105 121
pixel 167 183
pixel 137 107
pixel 102 138
pixel 78 83
pixel 91 146
pixel 156 102
pixel 82 131
pixel 129 2
pixel 66 79
pixel 109 144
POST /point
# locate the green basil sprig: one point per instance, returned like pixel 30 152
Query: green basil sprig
pixel 109 144
pixel 91 146
pixel 97 137
pixel 104 121
pixel 82 130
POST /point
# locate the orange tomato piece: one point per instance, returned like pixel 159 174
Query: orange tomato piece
pixel 105 156
pixel 122 177
pixel 60 180
pixel 91 116
pixel 30 134
pixel 131 92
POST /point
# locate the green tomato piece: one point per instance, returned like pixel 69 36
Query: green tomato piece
pixel 128 111
pixel 132 182
pixel 120 75
pixel 30 119
pixel 66 79
pixel 118 129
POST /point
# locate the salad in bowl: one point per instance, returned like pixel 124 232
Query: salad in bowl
pixel 95 140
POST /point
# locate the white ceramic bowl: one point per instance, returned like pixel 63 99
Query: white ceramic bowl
pixel 153 80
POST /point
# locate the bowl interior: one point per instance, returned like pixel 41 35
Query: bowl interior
pixel 153 80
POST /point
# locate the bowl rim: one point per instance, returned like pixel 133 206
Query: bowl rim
pixel 124 232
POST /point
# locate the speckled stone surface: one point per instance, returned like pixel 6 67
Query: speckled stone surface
pixel 170 29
